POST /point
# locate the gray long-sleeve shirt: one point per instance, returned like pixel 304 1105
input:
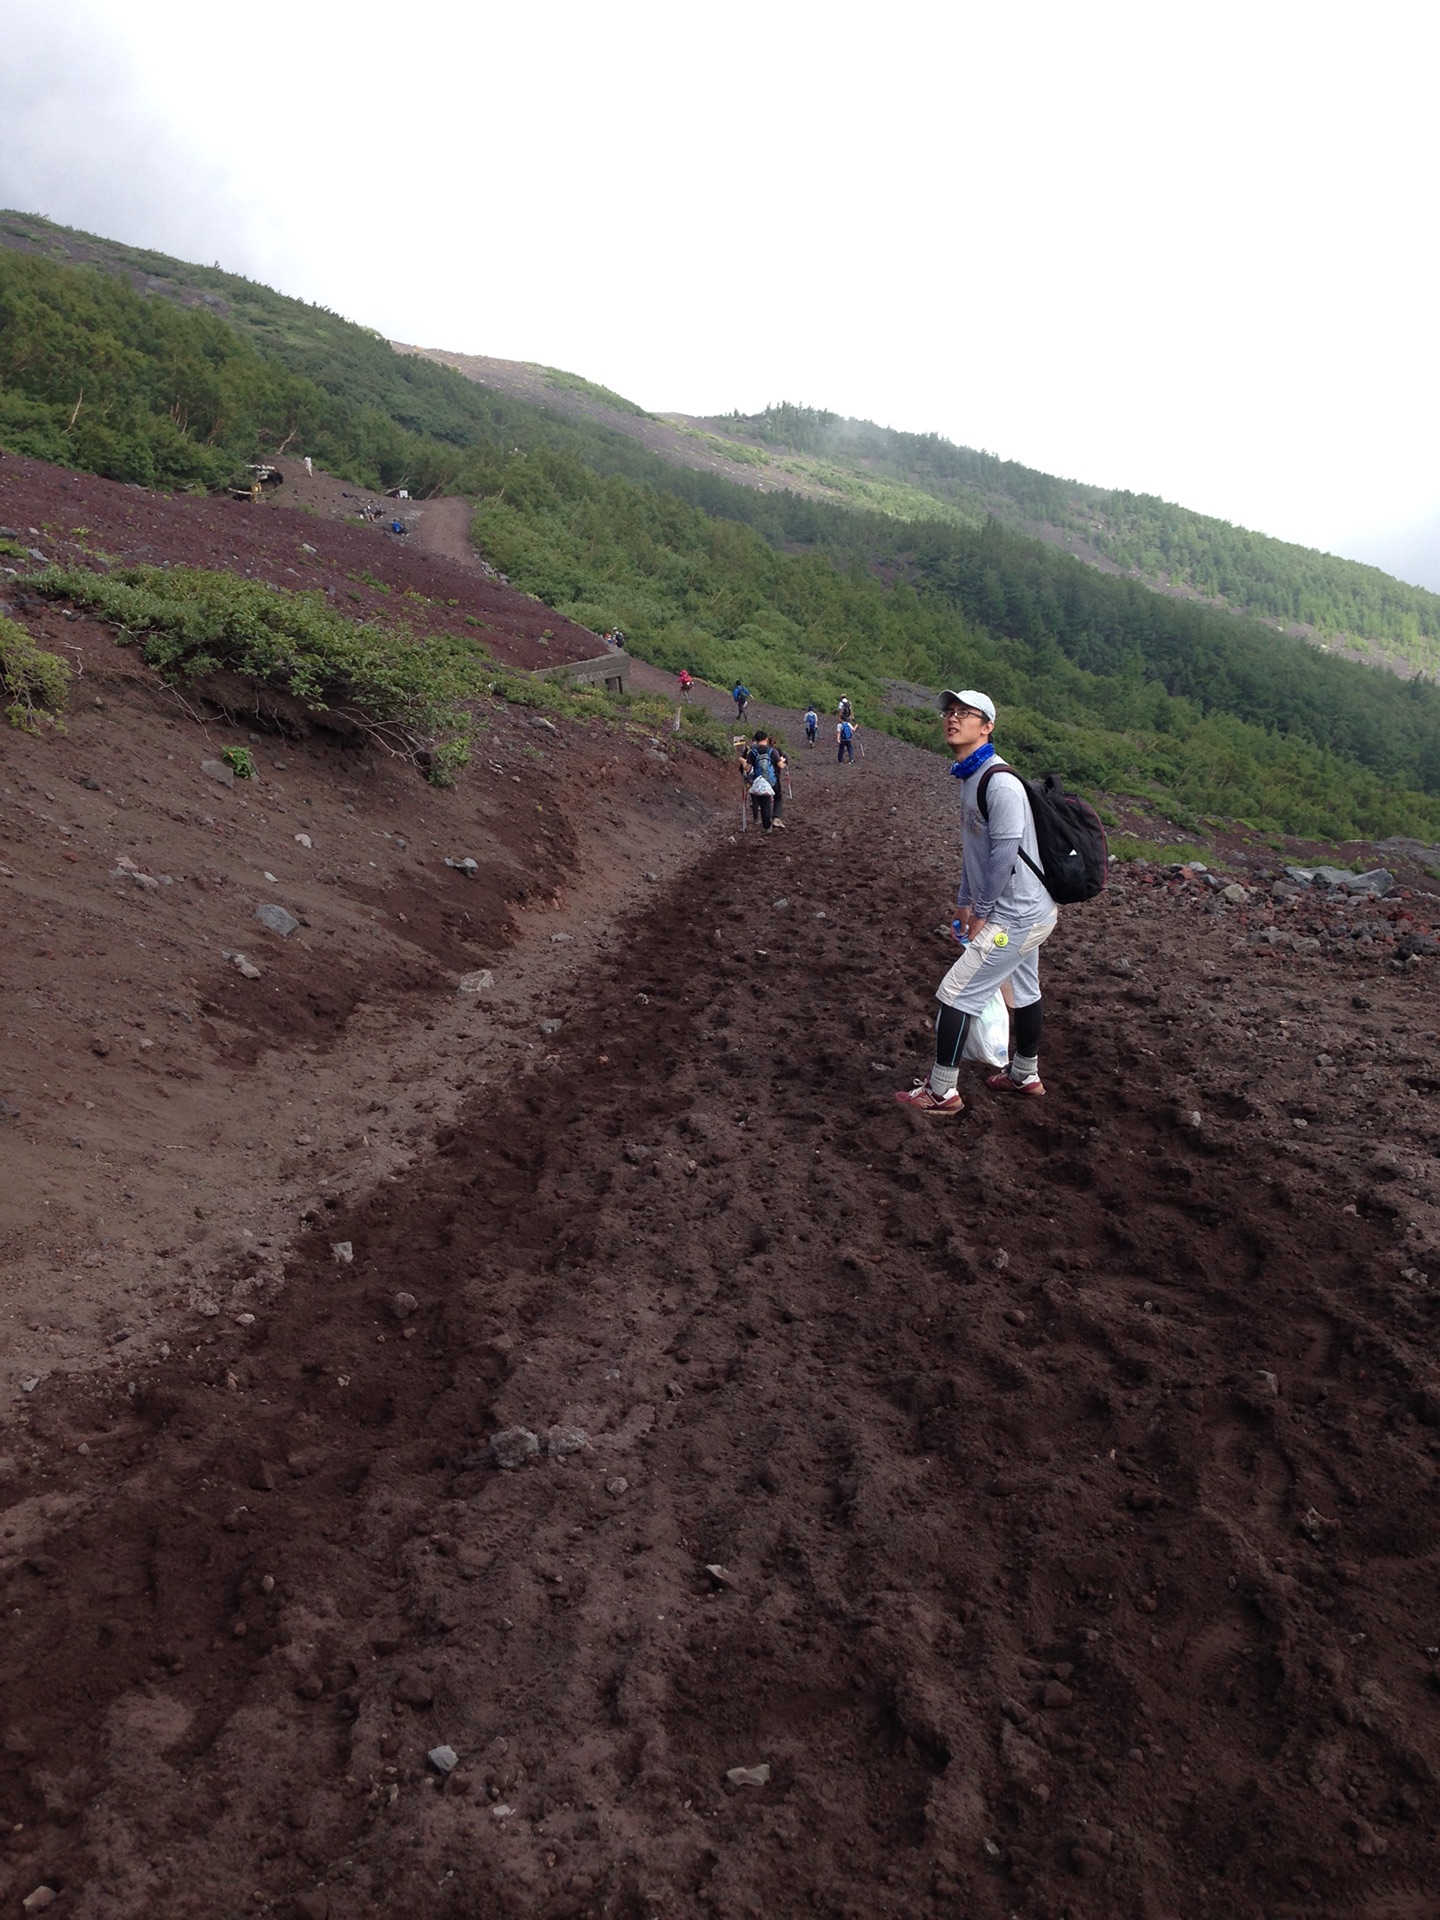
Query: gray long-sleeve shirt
pixel 995 883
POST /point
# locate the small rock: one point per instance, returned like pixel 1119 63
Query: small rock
pixel 1056 1695
pixel 312 1904
pixel 217 770
pixel 617 1484
pixel 262 1480
pixel 1316 1526
pixel 1144 1499
pixel 551 1026
pixel 562 939
pixel 721 1577
pixel 1000 1261
pixel 246 968
pixel 1367 1841
pixel 636 1154
pixel 749 1776
pixel 466 866
pixel 303 840
pixel 276 919
pixel 403 1305
pixel 443 1759
pixel 515 1447
pixel 39 1900
pixel 481 981
pixel 1269 1381
pixel 651 877
pixel 502 1811
pixel 560 1440
pixel 779 906
pixel 1235 894
pixel 344 1252
pixel 413 1689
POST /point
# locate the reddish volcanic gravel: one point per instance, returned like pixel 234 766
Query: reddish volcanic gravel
pixel 1043 1505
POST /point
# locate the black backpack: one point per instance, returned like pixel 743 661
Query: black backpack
pixel 1074 859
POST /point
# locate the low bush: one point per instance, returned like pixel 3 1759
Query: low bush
pixel 33 683
pixel 405 691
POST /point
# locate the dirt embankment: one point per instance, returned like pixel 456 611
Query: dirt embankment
pixel 1047 1500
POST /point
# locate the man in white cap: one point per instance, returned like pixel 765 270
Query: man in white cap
pixel 1006 913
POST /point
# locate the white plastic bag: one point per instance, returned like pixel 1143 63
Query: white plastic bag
pixel 988 1037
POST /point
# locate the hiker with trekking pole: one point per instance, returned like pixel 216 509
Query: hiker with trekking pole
pixel 756 771
pixel 1025 847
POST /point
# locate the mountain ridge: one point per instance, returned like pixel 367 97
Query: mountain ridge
pixel 1348 607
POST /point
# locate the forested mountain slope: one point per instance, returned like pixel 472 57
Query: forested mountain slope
pixel 174 376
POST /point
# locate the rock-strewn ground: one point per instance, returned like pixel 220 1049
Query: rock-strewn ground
pixel 1049 1499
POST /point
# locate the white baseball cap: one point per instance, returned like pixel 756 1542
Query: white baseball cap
pixel 981 702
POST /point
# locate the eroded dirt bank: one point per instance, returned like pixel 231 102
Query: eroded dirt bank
pixel 1070 1470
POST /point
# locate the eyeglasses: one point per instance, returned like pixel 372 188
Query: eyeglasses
pixel 965 713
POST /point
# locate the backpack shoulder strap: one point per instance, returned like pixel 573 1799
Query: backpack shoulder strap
pixel 986 777
pixel 995 766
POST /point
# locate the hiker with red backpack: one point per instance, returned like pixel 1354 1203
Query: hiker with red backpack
pixel 1025 847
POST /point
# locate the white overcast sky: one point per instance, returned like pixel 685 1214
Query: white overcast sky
pixel 1185 250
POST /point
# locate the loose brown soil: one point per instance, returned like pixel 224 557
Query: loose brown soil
pixel 1049 1499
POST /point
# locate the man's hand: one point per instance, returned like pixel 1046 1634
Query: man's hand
pixel 970 927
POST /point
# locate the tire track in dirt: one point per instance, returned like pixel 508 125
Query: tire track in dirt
pixel 1036 1597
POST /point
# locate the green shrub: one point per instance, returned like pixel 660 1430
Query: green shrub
pixel 406 691
pixel 33 683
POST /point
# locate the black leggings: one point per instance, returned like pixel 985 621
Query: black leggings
pixel 951 1026
pixel 1028 1022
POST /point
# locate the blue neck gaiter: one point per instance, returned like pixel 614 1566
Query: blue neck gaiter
pixel 973 762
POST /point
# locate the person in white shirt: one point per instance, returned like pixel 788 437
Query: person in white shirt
pixel 1005 914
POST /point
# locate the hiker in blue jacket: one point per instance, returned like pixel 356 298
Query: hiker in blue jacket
pixel 741 696
pixel 1005 914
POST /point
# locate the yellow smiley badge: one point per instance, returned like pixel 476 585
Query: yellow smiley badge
pixel 1002 939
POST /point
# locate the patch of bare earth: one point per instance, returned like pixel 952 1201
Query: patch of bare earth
pixel 1040 1508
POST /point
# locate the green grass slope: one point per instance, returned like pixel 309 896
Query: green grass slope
pixel 140 368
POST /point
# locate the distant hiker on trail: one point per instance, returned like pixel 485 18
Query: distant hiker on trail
pixel 845 711
pixel 755 769
pixel 812 724
pixel 619 639
pixel 741 696
pixel 685 683
pixel 844 741
pixel 766 759
pixel 1006 913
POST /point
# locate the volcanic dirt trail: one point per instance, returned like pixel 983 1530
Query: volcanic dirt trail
pixel 1047 1499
